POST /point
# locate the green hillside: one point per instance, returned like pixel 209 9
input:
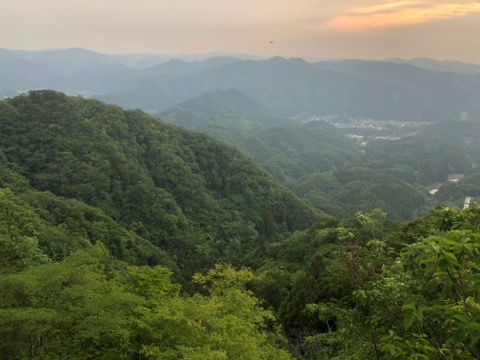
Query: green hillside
pixel 162 188
pixel 290 151
pixel 392 175
pixel 335 173
pixel 116 231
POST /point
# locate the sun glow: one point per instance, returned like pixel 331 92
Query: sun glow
pixel 397 13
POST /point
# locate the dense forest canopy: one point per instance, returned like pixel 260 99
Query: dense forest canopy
pixel 123 237
pixel 331 168
pixel 184 193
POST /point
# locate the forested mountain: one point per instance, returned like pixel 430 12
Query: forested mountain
pixel 23 70
pixel 336 173
pixel 392 175
pixel 223 114
pixel 344 192
pixel 220 103
pixel 286 149
pixel 117 229
pixel 166 190
pixel 291 151
pixel 93 198
pixel 83 71
pixel 461 134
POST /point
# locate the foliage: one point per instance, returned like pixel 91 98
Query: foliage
pixel 343 192
pixel 289 152
pixel 18 235
pixel 65 310
pixel 81 308
pixel 166 189
pixel 101 208
pixel 422 304
pixel 432 160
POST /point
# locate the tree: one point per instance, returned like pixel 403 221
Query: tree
pixel 18 235
pixel 423 304
pixel 65 310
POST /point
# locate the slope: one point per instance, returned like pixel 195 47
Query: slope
pixel 292 151
pixel 223 114
pixel 185 193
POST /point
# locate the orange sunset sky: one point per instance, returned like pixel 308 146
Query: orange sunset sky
pixel 445 30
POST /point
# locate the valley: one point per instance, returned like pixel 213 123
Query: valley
pixel 238 208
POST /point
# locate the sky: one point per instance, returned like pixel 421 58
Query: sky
pixel 367 29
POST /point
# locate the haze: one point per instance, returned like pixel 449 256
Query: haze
pixel 445 30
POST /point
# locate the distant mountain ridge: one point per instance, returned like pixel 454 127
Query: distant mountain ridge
pixel 226 102
pixel 398 90
pixel 435 65
pixel 224 110
pixel 287 87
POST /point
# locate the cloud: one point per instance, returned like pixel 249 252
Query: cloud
pixel 397 13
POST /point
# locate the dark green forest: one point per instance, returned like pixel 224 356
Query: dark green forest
pixel 335 173
pixel 171 194
pixel 123 237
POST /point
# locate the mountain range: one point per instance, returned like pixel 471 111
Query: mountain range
pixel 414 90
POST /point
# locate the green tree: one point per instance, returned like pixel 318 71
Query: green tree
pixel 226 323
pixel 18 235
pixel 65 310
pixel 422 304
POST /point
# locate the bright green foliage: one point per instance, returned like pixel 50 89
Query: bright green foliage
pixel 18 235
pixel 228 323
pixel 448 314
pixel 232 318
pixel 422 305
pixel 65 310
pixel 81 308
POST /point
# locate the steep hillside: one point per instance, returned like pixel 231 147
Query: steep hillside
pixel 290 152
pixel 183 192
pixel 393 175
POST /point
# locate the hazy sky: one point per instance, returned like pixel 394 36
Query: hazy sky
pixel 445 30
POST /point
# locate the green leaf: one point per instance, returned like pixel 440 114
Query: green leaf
pixel 474 336
pixel 408 307
pixel 458 337
pixel 452 259
pixel 419 314
pixel 408 320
